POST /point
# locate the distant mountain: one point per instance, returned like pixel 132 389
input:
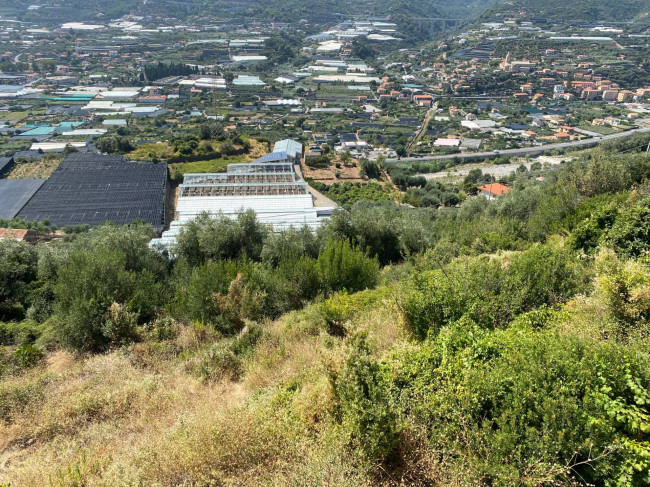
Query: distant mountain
pixel 578 10
pixel 329 11
pixel 315 11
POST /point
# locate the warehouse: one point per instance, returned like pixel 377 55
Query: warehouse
pixel 269 186
pixel 92 188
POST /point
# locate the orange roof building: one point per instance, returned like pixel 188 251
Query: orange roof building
pixel 17 234
pixel 493 190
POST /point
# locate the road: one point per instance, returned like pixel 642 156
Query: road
pixel 525 150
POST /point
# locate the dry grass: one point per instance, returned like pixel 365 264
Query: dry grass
pixel 35 169
pixel 328 175
pixel 139 416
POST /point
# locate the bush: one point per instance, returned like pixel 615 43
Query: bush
pixel 370 169
pixel 522 407
pixel 17 333
pixel 629 235
pixel 491 291
pixel 363 399
pixel 290 244
pixel 162 329
pixel 99 299
pixel 318 162
pixel 198 288
pixel 343 267
pixel 28 355
pixel 622 288
pixel 219 362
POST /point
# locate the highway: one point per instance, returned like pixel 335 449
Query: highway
pixel 525 150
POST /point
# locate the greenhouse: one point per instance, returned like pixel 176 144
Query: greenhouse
pixel 269 186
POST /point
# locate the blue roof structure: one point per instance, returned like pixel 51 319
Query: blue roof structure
pixel 66 98
pixel 273 157
pixel 15 193
pixel 38 131
pixel 69 125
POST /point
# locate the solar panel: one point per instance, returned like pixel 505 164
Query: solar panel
pixel 272 157
pixel 90 188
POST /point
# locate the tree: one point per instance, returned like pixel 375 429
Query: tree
pixel 370 169
pixel 219 237
pixel 211 130
pixel 114 144
pixel 105 284
pixel 362 48
pixel 69 149
pixel 18 269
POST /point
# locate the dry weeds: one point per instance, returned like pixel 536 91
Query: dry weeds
pixel 138 416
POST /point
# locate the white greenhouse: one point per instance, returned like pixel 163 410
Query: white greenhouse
pixel 269 186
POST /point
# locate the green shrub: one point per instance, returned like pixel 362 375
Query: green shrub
pixel 17 333
pixel 525 406
pixel 629 235
pixel 88 285
pixel 336 311
pixel 18 269
pixel 587 234
pixel 622 288
pixel 27 355
pixel 221 238
pixel 489 290
pixel 362 394
pixel 162 329
pixel 219 362
pixel 343 267
pixel 196 288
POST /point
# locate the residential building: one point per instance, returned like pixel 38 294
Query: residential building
pixel 493 190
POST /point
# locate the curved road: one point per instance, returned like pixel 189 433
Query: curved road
pixel 525 150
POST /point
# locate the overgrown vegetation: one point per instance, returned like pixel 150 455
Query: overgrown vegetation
pixel 493 343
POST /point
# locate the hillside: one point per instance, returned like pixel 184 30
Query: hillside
pixel 332 10
pixel 579 10
pixel 502 343
pixel 279 10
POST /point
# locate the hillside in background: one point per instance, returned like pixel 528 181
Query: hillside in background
pixel 578 10
pixel 279 10
pixel 327 12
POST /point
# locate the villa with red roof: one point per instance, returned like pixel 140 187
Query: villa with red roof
pixel 493 190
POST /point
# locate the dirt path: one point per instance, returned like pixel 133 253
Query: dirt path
pixel 423 128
